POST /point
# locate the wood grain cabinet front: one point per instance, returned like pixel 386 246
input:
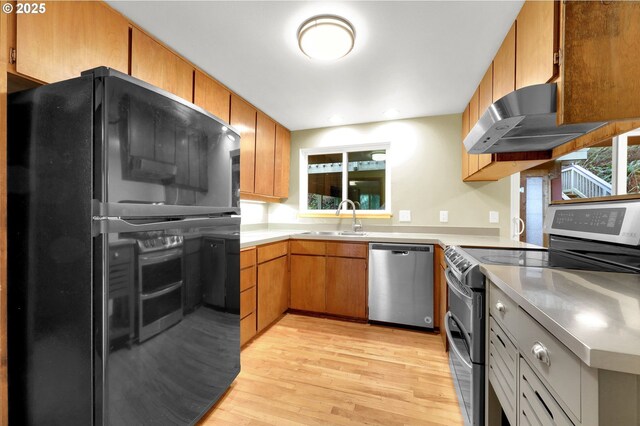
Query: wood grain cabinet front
pixel 346 288
pixel 157 65
pixel 212 96
pixel 68 38
pixel 273 291
pixel 248 298
pixel 243 117
pixel 265 154
pixel 308 279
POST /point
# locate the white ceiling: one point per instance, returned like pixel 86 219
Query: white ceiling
pixel 421 58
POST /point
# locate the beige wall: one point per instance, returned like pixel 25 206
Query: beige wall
pixel 425 174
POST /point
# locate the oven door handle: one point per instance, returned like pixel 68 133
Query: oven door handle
pixel 454 287
pixel 146 296
pixel 106 224
pixel 149 259
pixel 452 343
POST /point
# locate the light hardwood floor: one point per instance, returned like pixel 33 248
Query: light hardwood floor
pixel 316 371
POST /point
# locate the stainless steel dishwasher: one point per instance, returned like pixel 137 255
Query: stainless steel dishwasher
pixel 401 284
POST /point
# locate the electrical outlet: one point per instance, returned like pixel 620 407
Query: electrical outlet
pixel 404 215
pixel 494 217
pixel 444 216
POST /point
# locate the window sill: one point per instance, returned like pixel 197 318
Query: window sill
pixel 348 215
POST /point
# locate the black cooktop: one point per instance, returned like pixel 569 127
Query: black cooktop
pixel 542 258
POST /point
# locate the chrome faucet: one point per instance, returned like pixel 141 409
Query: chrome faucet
pixel 357 225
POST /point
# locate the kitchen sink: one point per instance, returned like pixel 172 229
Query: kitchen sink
pixel 336 233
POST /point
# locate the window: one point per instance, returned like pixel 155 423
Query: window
pixel 358 173
pixel 609 168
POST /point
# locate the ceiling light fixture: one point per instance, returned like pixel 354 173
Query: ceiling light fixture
pixel 326 37
pixel 379 156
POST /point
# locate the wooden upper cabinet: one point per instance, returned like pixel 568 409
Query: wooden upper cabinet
pixel 537 42
pixel 473 119
pixel 465 132
pixel 485 99
pixel 601 62
pixel 157 65
pixel 71 37
pixel 212 96
pixel 504 66
pixel 282 162
pixel 243 118
pixel 265 154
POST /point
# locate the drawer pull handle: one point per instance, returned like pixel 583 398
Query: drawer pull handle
pixel 500 307
pixel 541 353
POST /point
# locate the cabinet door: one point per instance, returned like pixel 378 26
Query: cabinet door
pixel 243 117
pixel 473 119
pixel 600 64
pixel 308 283
pixel 346 290
pixel 536 43
pixel 265 154
pixel 157 65
pixel 504 66
pixel 212 96
pixel 71 37
pixel 465 132
pixel 273 291
pixel 282 162
pixel 485 99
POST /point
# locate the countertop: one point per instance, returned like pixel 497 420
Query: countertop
pixel 254 238
pixel 595 314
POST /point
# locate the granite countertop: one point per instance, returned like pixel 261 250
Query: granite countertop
pixel 253 238
pixel 595 314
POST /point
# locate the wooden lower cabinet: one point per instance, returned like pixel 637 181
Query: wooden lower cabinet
pixel 308 283
pixel 248 278
pixel 346 287
pixel 273 290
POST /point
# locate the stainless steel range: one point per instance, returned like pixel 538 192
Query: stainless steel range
pixel 588 236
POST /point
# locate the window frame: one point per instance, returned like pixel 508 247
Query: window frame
pixel 344 150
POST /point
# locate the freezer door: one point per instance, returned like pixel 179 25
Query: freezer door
pixel 401 284
pixel 170 351
pixel 159 149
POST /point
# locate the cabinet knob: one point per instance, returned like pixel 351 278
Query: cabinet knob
pixel 116 254
pixel 500 307
pixel 541 353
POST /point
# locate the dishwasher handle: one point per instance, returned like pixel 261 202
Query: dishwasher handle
pixel 402 248
pixel 400 252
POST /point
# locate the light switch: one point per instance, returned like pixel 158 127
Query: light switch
pixel 404 216
pixel 494 217
pixel 444 216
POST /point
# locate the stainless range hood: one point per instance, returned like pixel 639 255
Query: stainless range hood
pixel 523 120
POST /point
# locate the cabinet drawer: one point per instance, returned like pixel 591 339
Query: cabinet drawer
pixel 247 257
pixel 347 250
pixel 119 255
pixel 537 405
pixel 272 251
pixel 247 328
pixel 247 302
pixel 502 308
pixel 308 247
pixel 503 361
pixel 247 278
pixel 559 367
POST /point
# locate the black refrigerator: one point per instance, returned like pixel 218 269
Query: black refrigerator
pixel 122 216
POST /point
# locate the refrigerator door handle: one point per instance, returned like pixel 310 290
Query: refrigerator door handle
pixel 106 224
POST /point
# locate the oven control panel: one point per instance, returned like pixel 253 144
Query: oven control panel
pixel 160 243
pixel 457 260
